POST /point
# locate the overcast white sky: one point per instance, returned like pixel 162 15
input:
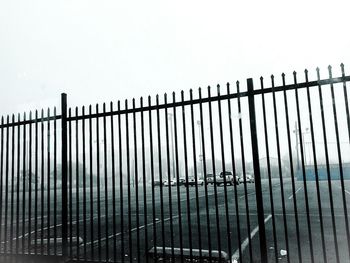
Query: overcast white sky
pixel 98 51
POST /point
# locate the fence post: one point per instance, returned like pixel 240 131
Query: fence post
pixel 64 176
pixel 258 191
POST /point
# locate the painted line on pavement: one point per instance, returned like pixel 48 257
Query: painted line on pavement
pixel 295 192
pixel 346 191
pixel 245 243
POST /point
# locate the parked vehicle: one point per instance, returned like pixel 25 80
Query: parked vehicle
pixel 182 181
pixel 209 179
pixel 156 183
pixel 192 182
pixel 171 182
pixel 228 178
pixel 249 178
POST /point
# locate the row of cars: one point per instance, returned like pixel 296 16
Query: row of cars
pixel 223 178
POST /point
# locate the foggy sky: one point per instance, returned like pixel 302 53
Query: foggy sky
pixel 98 51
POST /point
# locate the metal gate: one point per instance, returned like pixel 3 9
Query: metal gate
pixel 235 174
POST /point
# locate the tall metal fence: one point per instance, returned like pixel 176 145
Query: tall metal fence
pixel 232 174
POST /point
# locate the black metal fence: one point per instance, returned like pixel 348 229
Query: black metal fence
pixel 232 176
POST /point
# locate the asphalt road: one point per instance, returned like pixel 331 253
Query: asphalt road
pixel 200 225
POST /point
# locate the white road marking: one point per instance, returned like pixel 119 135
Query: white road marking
pixel 346 191
pixel 242 196
pixel 245 243
pixel 132 230
pixel 295 192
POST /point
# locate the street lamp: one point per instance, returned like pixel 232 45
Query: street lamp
pixel 200 147
pixel 302 143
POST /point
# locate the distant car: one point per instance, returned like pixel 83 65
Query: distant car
pixel 192 182
pixel 171 182
pixel 156 183
pixel 249 178
pixel 209 179
pixel 182 181
pixel 227 177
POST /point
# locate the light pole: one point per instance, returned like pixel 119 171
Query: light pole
pixel 302 143
pixel 200 148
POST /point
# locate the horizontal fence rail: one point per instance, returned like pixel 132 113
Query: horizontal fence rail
pixel 241 173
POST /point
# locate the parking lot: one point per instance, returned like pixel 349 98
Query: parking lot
pixel 202 217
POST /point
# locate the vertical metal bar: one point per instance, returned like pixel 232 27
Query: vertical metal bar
pixel 228 228
pixel 1 175
pixel 77 225
pixel 30 184
pixel 316 169
pixel 152 179
pixel 178 179
pixel 98 186
pixel 195 175
pixel 258 190
pixel 169 178
pixel 12 185
pixel 136 180
pixel 144 178
pixel 6 183
pixel 160 176
pixel 121 184
pixel 48 183
pixel 84 184
pixel 113 188
pixel 345 98
pixel 292 169
pixel 70 189
pixel 24 186
pixel 269 172
pixel 91 186
pixel 42 183
pixel 106 178
pixel 340 162
pixel 218 232
pixel 18 183
pixel 64 173
pixel 244 167
pixel 54 179
pixel 234 174
pixel 36 168
pixel 280 167
pixel 187 178
pixel 205 173
pixel 303 170
pixel 128 179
